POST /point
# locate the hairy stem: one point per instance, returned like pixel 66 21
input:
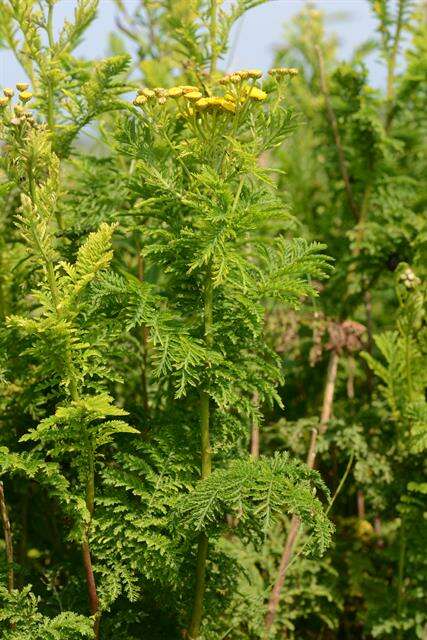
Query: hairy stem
pixel 7 531
pixel 326 413
pixel 206 468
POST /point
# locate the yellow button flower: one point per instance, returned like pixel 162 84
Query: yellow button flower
pixel 175 92
pixel 255 94
pixel 25 96
pixel 22 86
pixel 193 95
pixel 188 88
pixel 140 100
pixel 148 93
pixel 8 92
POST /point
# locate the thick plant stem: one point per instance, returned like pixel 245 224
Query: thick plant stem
pixel 328 398
pixel 206 468
pixel 7 531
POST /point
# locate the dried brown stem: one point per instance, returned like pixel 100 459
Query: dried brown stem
pixel 337 138
pixel 7 539
pixel 91 586
pixel 326 413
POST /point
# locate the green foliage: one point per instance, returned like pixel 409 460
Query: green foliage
pixel 167 299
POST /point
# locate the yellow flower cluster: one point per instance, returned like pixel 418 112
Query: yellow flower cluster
pixel 24 95
pixel 279 72
pixel 160 94
pixel 239 76
pixel 192 95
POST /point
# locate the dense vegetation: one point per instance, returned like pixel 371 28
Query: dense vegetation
pixel 212 330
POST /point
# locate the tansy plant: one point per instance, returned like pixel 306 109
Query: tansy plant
pixel 203 202
pixel 154 292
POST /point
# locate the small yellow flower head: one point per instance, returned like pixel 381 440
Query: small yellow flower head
pixel 188 89
pixel 227 105
pixel 254 73
pixel 193 95
pixel 255 94
pixel 215 103
pixel 25 96
pixel 4 102
pixel 225 79
pixel 8 92
pixel 19 109
pixel 161 100
pixel 175 92
pixel 280 72
pixel 160 92
pixel 22 86
pixel 140 100
pixel 148 93
pixel 235 78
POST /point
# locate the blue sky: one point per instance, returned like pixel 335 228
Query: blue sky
pixel 262 28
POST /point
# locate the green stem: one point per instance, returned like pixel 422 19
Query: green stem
pixel 391 64
pixel 400 575
pixel 50 89
pixel 213 35
pixel 206 468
